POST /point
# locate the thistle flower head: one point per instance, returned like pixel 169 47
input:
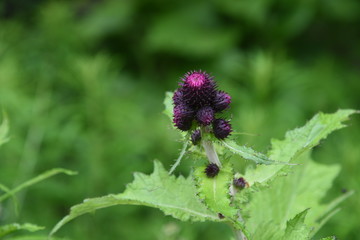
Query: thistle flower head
pixel 198 89
pixel 196 136
pixel 198 99
pixel 183 116
pixel 205 116
pixel 240 183
pixel 221 128
pixel 212 170
pixel 222 101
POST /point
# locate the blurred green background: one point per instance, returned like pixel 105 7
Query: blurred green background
pixel 83 84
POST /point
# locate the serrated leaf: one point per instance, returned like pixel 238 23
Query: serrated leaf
pixel 249 153
pixel 298 141
pixel 174 196
pixel 296 188
pixel 286 195
pixel 215 191
pixel 296 229
pixel 35 180
pixel 7 229
pixel 4 130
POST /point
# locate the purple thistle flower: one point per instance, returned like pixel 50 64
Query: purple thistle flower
pixel 196 137
pixel 205 116
pixel 198 98
pixel 212 170
pixel 221 128
pixel 198 89
pixel 240 183
pixel 183 116
pixel 222 101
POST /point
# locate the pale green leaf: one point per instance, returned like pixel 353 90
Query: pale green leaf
pixel 7 229
pixel 215 191
pixel 302 188
pixel 294 189
pixel 174 196
pixel 248 153
pixel 296 229
pixel 35 180
pixel 298 141
pixel 4 130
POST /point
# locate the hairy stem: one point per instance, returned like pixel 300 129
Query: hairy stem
pixel 210 152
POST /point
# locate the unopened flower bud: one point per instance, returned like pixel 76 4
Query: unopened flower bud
pixel 222 101
pixel 221 128
pixel 240 183
pixel 212 170
pixel 183 116
pixel 205 116
pixel 196 137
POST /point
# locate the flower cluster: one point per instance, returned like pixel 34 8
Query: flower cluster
pixel 198 101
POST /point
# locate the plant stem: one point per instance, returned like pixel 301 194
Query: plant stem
pixel 210 152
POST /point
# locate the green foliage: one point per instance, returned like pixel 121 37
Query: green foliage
pixel 248 153
pixel 285 205
pixel 83 82
pixel 287 191
pixel 7 229
pixel 35 180
pixel 215 191
pixel 174 196
pixel 298 141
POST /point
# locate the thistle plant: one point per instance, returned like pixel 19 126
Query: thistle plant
pixel 279 198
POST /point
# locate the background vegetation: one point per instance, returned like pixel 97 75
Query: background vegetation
pixel 83 84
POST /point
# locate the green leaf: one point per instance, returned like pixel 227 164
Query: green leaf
pixel 286 195
pixel 216 191
pixel 174 196
pixel 7 229
pixel 296 229
pixel 248 153
pixel 35 180
pixel 298 141
pixel 294 189
pixel 4 130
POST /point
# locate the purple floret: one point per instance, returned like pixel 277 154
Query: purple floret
pixel 205 116
pixel 198 89
pixel 221 128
